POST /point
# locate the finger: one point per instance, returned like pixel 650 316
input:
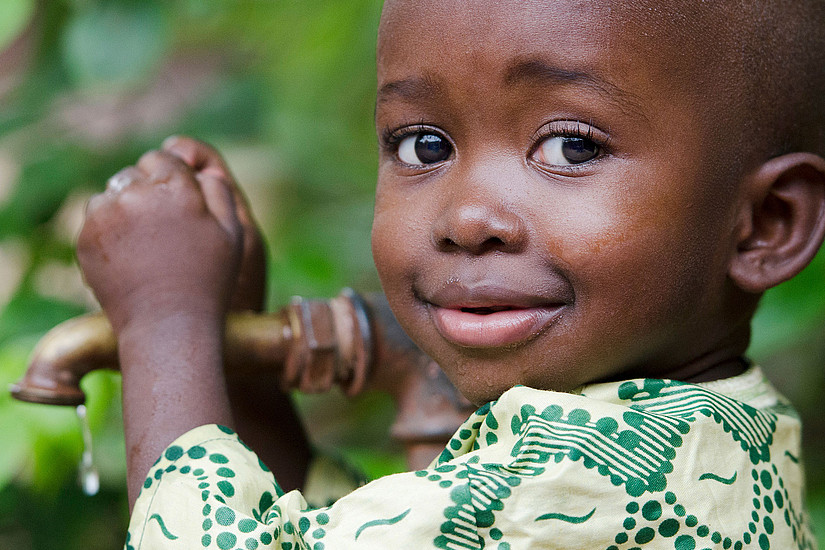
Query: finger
pixel 124 179
pixel 220 201
pixel 162 167
pixel 94 203
pixel 205 159
pixel 250 292
pixel 242 209
pixel 198 155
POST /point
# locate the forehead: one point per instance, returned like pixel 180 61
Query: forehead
pixel 476 21
pixel 655 45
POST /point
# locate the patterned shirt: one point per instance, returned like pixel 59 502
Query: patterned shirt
pixel 642 463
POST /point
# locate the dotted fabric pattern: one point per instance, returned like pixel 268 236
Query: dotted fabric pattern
pixel 619 466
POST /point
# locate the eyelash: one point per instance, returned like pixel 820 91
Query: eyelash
pixel 571 129
pixel 390 138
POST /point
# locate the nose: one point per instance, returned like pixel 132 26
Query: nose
pixel 477 221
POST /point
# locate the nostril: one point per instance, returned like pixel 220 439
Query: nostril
pixel 447 244
pixel 491 244
pixel 479 247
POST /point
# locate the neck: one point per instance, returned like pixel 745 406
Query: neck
pixel 724 359
pixel 726 368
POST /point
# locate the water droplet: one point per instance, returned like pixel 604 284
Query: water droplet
pixel 86 472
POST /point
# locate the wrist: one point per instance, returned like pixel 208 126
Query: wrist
pixel 173 373
pixel 173 381
pixel 183 340
pixel 169 310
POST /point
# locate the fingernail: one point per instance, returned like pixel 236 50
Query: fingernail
pixel 168 142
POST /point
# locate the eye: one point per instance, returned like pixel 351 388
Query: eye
pixel 566 150
pixel 424 148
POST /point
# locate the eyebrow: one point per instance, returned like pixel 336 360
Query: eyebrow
pixel 539 72
pixel 530 71
pixel 412 88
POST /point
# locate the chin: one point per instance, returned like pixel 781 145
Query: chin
pixel 478 386
pixel 485 376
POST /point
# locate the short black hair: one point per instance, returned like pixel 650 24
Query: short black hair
pixel 768 58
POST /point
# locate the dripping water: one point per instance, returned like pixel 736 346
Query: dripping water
pixel 86 472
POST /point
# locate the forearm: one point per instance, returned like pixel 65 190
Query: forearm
pixel 168 249
pixel 173 381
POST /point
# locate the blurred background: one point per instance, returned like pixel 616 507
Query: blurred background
pixel 285 90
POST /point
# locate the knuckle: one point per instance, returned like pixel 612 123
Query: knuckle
pixel 165 167
pixel 120 181
pixel 208 149
pixel 182 147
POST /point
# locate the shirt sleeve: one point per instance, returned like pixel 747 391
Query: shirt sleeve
pixel 208 490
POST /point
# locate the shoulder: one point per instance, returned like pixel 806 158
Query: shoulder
pixel 645 459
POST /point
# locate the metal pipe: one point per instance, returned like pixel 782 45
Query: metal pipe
pixel 312 344
pixel 63 357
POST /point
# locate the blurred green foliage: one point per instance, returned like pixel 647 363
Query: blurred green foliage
pixel 14 14
pixel 285 90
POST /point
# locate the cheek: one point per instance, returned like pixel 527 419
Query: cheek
pixel 396 238
pixel 633 249
pixel 384 251
pixel 397 253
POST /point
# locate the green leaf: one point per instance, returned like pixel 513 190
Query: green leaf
pixel 16 446
pixel 39 442
pixel 29 313
pixel 44 183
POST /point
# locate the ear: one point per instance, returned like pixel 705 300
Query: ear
pixel 782 221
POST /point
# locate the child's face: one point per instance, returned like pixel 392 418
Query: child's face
pixel 554 201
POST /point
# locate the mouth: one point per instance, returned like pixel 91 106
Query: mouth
pixel 491 317
pixel 484 310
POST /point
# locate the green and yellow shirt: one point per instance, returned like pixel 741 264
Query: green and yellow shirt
pixel 642 463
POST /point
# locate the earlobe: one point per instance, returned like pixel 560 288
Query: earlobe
pixel 782 221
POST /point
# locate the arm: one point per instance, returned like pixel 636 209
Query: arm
pixel 161 248
pixel 259 407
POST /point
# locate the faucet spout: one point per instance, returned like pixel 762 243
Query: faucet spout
pixel 65 355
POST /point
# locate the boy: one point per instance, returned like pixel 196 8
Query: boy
pixel 578 207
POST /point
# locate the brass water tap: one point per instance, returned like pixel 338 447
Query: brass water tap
pixel 346 341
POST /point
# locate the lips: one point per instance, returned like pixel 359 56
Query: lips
pixel 490 316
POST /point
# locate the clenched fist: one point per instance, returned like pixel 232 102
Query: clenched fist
pixel 170 236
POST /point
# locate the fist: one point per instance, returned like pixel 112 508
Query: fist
pixel 167 237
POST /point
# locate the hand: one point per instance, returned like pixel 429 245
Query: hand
pixel 250 290
pixel 163 240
